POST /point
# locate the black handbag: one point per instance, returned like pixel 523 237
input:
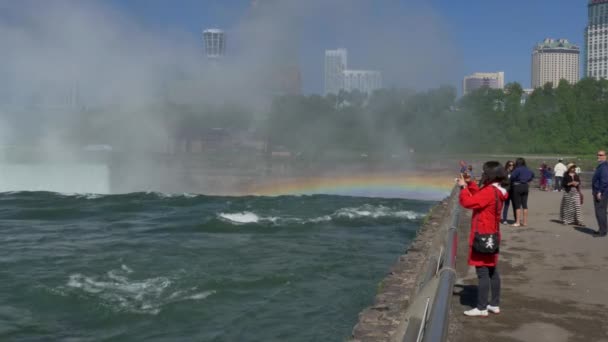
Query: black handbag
pixel 488 243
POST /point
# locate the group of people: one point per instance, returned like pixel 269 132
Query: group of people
pixel 551 179
pixel 489 199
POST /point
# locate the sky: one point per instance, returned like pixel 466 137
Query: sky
pixel 483 35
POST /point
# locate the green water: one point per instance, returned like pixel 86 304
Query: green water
pixel 150 267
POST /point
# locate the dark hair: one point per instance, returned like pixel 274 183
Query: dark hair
pixel 509 162
pixel 520 162
pixel 493 172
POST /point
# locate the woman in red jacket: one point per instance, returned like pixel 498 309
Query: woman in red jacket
pixel 487 203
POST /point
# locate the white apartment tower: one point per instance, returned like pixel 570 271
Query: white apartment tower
pixel 335 65
pixel 596 40
pixel 554 60
pixel 366 81
pixel 215 43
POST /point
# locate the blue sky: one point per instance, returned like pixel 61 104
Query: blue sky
pixel 484 35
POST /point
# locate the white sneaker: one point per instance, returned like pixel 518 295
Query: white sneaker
pixel 476 312
pixel 494 309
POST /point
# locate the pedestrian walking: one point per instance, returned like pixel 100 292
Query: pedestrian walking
pixel 599 189
pixel 520 187
pixel 570 209
pixel 484 237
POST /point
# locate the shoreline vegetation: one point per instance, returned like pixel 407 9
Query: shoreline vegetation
pixel 389 124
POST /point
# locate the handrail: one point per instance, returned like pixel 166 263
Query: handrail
pixel 436 329
pixel 428 314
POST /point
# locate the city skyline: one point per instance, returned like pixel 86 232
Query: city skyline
pixel 504 43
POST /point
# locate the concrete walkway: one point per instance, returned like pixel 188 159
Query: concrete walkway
pixel 554 280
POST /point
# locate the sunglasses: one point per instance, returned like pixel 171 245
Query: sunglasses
pixel 600 155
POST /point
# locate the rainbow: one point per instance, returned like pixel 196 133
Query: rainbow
pixel 364 185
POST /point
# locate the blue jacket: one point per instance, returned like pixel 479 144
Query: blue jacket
pixel 599 184
pixel 522 175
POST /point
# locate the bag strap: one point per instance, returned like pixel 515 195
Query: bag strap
pixel 497 210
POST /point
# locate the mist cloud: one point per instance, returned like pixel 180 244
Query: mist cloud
pixel 68 65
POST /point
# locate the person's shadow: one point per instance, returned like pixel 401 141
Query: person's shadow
pixel 585 230
pixel 581 229
pixel 467 293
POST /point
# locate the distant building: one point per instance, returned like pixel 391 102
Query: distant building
pixel 554 60
pixel 215 43
pixel 336 62
pixel 494 80
pixel 596 40
pixel 366 81
pixel 525 95
pixel 339 77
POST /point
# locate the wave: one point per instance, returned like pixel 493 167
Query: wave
pixel 121 294
pixel 379 211
pixel 241 218
pixel 354 213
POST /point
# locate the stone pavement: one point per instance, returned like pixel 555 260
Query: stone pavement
pixel 554 280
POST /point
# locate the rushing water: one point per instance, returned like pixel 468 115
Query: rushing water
pixel 152 267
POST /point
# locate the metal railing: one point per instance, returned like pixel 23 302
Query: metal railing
pixel 428 316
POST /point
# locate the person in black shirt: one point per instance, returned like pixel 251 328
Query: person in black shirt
pixel 520 180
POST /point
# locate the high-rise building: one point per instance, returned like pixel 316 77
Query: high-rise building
pixel 596 40
pixel 366 81
pixel 336 62
pixel 215 43
pixel 553 60
pixel 494 80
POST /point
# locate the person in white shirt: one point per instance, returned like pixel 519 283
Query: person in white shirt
pixel 559 170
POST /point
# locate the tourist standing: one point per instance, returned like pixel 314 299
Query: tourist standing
pixel 559 170
pixel 507 185
pixel 486 203
pixel 543 179
pixel 549 177
pixel 600 193
pixel 570 209
pixel 520 187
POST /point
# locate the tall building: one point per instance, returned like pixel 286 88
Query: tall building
pixel 494 80
pixel 336 62
pixel 596 39
pixel 215 43
pixel 366 81
pixel 553 60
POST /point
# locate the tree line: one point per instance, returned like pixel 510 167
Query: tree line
pixel 570 118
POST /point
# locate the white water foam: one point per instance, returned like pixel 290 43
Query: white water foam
pixel 376 212
pixel 116 291
pixel 365 211
pixel 240 218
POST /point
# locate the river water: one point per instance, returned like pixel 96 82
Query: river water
pixel 155 267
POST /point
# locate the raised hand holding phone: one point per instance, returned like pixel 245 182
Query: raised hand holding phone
pixel 461 181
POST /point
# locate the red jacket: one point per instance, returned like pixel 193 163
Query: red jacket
pixel 486 217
